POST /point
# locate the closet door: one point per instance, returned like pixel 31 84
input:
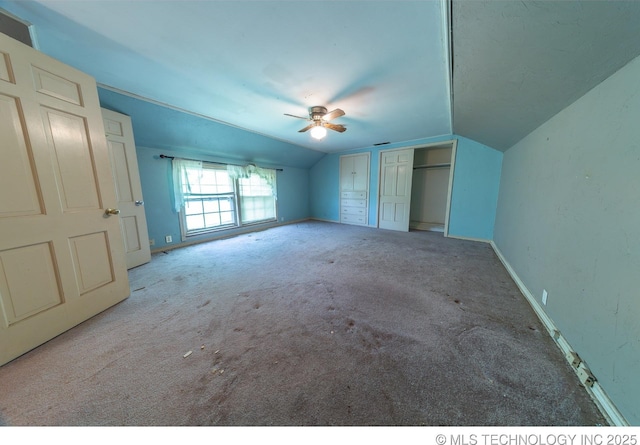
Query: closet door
pixel 396 172
pixel 346 173
pixel 61 253
pixel 361 169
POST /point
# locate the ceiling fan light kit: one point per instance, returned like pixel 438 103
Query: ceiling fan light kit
pixel 318 132
pixel 319 118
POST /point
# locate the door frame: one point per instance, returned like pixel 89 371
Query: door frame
pixel 453 144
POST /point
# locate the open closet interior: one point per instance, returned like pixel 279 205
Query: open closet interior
pixel 430 188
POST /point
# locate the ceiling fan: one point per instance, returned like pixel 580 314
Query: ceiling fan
pixel 319 118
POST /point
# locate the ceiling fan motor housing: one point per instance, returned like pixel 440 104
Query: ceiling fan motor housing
pixel 319 117
pixel 317 113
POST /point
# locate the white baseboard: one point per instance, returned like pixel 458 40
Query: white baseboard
pixel 597 393
pixel 467 238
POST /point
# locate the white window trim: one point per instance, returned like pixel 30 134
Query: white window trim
pixel 203 233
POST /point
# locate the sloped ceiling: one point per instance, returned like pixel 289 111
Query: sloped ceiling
pixel 518 63
pixel 247 63
pixel 387 64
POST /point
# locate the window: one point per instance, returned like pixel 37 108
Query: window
pixel 213 197
pixel 256 200
pixel 210 202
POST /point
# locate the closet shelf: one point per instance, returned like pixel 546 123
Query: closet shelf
pixel 432 166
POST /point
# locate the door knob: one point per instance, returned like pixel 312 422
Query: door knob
pixel 109 212
pixel 139 203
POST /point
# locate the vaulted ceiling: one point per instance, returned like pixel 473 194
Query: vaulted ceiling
pixel 488 70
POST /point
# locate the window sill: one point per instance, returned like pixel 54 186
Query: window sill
pixel 232 228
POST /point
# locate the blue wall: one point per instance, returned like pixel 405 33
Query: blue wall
pixel 324 186
pixel 162 220
pixel 476 183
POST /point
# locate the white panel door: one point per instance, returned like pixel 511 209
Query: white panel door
pixel 61 256
pixel 394 205
pixel 124 163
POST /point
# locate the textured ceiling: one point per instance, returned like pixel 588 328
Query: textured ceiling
pixel 385 63
pixel 518 63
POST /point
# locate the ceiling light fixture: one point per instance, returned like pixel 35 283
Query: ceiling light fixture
pixel 318 132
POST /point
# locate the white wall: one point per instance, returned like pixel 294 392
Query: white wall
pixel 568 221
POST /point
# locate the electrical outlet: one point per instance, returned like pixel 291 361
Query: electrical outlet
pixel 168 239
pixel 152 242
pixel 544 296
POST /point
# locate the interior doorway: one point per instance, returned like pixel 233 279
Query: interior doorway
pixel 432 181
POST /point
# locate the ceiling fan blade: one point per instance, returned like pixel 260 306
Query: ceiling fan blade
pixel 308 127
pixel 334 127
pixel 299 117
pixel 333 114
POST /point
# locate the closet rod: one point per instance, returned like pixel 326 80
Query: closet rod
pixel 432 166
pixel 210 162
